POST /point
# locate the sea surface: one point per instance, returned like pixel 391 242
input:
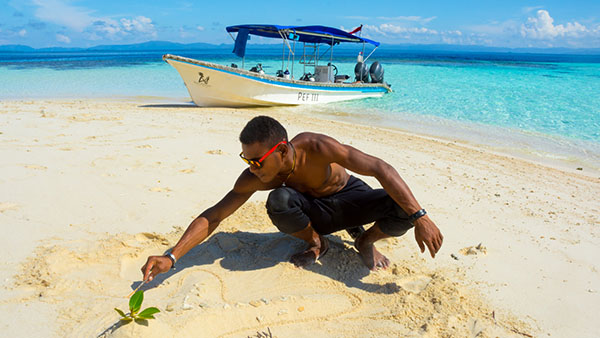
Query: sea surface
pixel 539 105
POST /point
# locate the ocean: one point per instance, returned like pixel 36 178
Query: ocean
pixel 535 105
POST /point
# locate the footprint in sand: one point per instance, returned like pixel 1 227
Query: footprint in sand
pixel 215 152
pixel 415 284
pixel 186 171
pixel 5 206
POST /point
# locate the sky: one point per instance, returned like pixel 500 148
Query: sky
pixel 508 23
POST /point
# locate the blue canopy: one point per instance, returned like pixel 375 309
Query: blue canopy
pixel 308 34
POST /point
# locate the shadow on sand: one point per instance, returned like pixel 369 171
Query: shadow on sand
pixel 245 251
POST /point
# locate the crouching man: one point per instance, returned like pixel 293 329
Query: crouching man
pixel 313 195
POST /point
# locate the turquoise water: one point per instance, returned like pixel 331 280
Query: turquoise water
pixel 556 96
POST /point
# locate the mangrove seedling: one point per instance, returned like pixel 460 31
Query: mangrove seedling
pixel 135 304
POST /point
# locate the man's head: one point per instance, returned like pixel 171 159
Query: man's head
pixel 264 140
pixel 263 129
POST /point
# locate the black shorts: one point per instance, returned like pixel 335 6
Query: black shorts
pixel 355 205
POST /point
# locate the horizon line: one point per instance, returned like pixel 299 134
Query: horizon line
pixel 459 46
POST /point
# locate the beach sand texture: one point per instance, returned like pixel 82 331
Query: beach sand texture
pixel 90 188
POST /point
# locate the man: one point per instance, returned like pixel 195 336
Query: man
pixel 313 195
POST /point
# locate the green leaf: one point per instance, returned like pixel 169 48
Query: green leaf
pixel 121 313
pixel 135 302
pixel 126 319
pixel 148 313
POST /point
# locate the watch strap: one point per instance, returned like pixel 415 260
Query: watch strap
pixel 172 258
pixel 417 215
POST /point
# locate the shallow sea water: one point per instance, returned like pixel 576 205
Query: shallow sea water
pixel 544 106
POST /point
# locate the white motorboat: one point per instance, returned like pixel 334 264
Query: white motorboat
pixel 211 84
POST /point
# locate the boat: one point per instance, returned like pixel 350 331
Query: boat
pixel 215 85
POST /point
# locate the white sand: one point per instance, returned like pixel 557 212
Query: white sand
pixel 89 189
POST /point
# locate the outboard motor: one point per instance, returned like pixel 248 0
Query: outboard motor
pixel 257 69
pixel 376 72
pixel 361 72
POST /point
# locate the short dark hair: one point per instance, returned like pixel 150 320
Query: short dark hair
pixel 263 129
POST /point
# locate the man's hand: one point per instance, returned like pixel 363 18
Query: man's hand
pixel 427 234
pixel 156 265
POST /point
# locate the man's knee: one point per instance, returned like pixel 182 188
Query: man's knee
pixel 395 229
pixel 398 224
pixel 279 200
pixel 285 210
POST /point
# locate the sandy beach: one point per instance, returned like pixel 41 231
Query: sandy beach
pixel 90 188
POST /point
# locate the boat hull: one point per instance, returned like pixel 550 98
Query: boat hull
pixel 214 85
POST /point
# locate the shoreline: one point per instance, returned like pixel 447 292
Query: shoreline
pixel 97 185
pixel 558 152
pixel 567 154
pixel 529 146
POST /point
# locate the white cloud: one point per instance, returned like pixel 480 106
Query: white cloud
pixel 508 27
pixel 81 19
pixel 107 27
pixel 140 24
pixel 63 38
pixel 22 32
pixel 200 28
pixel 60 13
pixel 412 18
pixel 116 30
pixel 387 28
pixel 542 27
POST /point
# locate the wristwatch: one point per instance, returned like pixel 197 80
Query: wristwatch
pixel 417 215
pixel 172 258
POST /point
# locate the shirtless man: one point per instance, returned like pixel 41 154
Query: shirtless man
pixel 313 195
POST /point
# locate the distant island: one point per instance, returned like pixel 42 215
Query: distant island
pixel 167 46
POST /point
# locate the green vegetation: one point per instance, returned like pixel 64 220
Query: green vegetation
pixel 135 304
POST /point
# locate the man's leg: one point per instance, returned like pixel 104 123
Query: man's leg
pixel 317 247
pixel 359 204
pixel 288 210
pixel 355 232
pixel 372 258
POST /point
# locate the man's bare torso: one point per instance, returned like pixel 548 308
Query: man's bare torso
pixel 314 173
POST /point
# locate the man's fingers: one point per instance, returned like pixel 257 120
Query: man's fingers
pixel 148 270
pixel 421 246
pixel 436 244
pixel 432 249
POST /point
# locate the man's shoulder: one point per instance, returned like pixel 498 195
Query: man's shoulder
pixel 249 183
pixel 308 138
pixel 317 146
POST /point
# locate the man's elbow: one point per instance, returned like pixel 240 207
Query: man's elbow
pixel 383 169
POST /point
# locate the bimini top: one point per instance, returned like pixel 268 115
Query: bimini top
pixel 309 34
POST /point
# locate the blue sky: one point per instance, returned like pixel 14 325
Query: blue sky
pixel 508 23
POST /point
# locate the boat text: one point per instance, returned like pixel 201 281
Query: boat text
pixel 308 96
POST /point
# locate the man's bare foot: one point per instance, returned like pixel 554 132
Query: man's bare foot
pixel 372 258
pixel 310 255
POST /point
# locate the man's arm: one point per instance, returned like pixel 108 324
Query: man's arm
pixel 204 225
pixel 426 232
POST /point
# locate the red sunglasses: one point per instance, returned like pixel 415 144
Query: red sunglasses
pixel 258 163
